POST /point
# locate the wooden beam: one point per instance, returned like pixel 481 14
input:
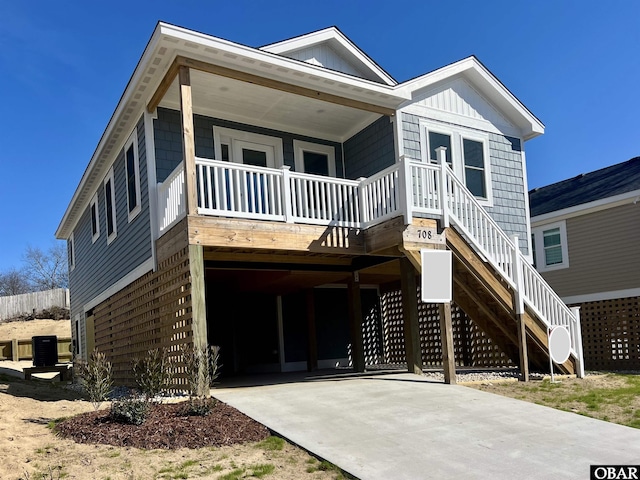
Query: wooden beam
pixel 410 316
pixel 270 257
pixel 282 86
pixel 198 301
pixel 240 233
pixel 446 335
pixel 188 140
pixel 312 339
pixel 163 88
pixel 355 323
pixel 522 348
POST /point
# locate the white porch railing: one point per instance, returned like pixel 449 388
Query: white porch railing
pixel 243 191
pixel 171 200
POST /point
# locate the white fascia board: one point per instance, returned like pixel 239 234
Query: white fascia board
pixel 261 56
pixel 489 85
pixel 325 35
pixel 586 208
pixel 67 224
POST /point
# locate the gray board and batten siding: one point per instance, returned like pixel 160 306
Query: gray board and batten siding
pixel 603 253
pixel 99 265
pixel 509 208
pixel 168 140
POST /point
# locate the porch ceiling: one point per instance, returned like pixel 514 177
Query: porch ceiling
pixel 244 102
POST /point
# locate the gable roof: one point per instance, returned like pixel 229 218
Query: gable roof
pixel 486 83
pixel 587 187
pixel 332 49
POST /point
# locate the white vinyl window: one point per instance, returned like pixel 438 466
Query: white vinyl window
pixel 132 170
pixel 110 207
pixel 95 218
pixel 550 249
pixel 314 158
pixel 467 154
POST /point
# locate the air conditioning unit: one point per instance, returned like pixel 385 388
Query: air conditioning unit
pixel 45 350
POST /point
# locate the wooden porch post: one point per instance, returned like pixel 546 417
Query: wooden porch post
pixel 312 340
pixel 188 140
pixel 410 314
pixel 355 322
pixel 446 334
pixel 518 302
pixel 198 302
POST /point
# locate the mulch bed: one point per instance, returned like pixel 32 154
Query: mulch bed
pixel 166 427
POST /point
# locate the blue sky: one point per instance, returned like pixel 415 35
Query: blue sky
pixel 64 65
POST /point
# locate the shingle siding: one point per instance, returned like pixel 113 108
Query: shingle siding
pixel 507 177
pixel 98 265
pixel 370 150
pixel 168 140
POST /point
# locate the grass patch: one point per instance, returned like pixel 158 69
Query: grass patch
pixel 233 475
pixel 261 470
pixel 611 397
pixel 271 443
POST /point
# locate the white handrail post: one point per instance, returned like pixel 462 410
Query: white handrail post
pixel 286 193
pixel 405 182
pixel 363 217
pixel 578 339
pixel 516 262
pixel 441 155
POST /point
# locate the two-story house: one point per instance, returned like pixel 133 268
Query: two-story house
pixel 274 201
pixel 585 234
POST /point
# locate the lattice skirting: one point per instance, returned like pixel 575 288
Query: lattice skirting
pixel 151 312
pixel 472 347
pixel 611 334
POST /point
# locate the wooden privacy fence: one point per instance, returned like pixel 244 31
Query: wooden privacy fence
pixel 15 305
pixel 20 349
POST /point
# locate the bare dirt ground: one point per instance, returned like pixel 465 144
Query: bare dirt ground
pixel 30 450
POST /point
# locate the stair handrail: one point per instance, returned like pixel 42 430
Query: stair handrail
pixel 534 289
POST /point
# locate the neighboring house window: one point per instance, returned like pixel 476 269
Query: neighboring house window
pixel 95 218
pixel 72 252
pixel 467 154
pixel 550 248
pixel 133 175
pixel 110 206
pixel 314 158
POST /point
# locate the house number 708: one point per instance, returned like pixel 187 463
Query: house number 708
pixel 424 234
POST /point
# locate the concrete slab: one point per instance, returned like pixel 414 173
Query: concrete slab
pixel 403 426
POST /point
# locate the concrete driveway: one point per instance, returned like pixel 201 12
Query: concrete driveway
pixel 403 426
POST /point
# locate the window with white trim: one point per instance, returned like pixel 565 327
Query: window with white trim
pixel 71 247
pixel 95 218
pixel 110 207
pixel 132 170
pixel 314 158
pixel 467 154
pixel 550 249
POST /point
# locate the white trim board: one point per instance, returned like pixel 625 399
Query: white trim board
pixel 600 296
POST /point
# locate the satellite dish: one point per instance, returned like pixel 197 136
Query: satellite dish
pixel 559 344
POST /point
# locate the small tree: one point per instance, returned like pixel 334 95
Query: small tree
pixel 153 373
pixel 96 378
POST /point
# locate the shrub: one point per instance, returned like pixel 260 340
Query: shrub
pixel 202 369
pixel 153 373
pixel 129 410
pixel 96 378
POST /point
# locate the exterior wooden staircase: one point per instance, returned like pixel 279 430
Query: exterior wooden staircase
pixel 495 284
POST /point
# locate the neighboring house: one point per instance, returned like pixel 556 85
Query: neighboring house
pixel 586 234
pixel 274 201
